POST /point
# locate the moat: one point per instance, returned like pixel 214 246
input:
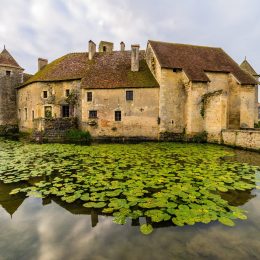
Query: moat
pixel 134 201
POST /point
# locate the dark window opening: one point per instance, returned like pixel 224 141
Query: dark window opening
pixel 117 115
pixel 65 111
pixel 67 92
pixel 129 95
pixel 92 114
pixel 104 48
pixel 33 115
pixel 89 96
pixel 8 73
pixel 45 94
pixel 25 111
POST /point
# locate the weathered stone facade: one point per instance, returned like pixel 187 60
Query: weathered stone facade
pixel 32 103
pixel 132 94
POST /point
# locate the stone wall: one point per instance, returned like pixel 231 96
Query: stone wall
pixel 249 139
pixel 30 99
pixel 52 130
pixel 139 117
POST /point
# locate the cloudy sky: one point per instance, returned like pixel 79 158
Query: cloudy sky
pixel 52 28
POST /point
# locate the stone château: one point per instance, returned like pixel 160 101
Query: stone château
pixel 167 91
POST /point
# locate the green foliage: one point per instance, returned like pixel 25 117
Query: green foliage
pixel 184 183
pixel 205 99
pixel 199 138
pixel 257 125
pixel 78 136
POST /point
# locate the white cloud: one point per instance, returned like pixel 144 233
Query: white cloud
pixel 52 28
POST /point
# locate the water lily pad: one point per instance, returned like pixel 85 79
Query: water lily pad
pixel 146 229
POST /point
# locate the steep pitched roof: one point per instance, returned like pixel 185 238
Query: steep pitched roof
pixel 113 70
pixel 246 66
pixel 106 70
pixel 196 60
pixel 6 59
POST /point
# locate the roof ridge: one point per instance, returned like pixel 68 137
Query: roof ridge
pixel 185 44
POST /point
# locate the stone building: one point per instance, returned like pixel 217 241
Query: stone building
pixel 168 91
pixel 11 76
pixel 246 66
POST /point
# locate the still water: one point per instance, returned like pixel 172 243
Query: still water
pixel 34 228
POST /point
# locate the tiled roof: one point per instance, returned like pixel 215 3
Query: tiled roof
pixel 106 70
pixel 6 59
pixel 113 70
pixel 196 60
pixel 245 65
pixel 69 67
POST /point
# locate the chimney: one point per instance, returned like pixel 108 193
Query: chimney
pixel 42 63
pixel 135 57
pixel 91 49
pixel 122 46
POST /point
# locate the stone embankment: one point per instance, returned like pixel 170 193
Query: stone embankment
pixel 247 139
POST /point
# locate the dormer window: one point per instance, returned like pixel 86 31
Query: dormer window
pixel 8 73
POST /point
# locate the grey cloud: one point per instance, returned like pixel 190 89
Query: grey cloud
pixel 52 28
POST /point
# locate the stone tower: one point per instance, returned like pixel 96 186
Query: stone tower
pixel 11 75
pixel 245 65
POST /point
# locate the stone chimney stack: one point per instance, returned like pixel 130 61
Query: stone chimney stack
pixel 91 49
pixel 135 57
pixel 122 46
pixel 42 63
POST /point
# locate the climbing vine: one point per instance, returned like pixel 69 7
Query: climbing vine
pixel 205 99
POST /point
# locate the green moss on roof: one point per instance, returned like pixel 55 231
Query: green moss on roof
pixel 68 67
pixel 106 70
pixel 143 77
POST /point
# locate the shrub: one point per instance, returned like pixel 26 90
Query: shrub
pixel 257 125
pixel 78 136
pixel 199 138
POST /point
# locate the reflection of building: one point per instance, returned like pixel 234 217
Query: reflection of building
pixel 10 202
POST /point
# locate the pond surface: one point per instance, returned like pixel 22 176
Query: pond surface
pixel 196 198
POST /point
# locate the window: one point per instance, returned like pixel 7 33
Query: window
pixel 45 94
pixel 48 112
pixel 25 113
pixel 89 96
pixel 92 114
pixel 33 115
pixel 65 111
pixel 67 92
pixel 129 95
pixel 104 48
pixel 8 73
pixel 117 115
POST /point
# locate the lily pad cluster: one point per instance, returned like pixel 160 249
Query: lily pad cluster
pixel 161 182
